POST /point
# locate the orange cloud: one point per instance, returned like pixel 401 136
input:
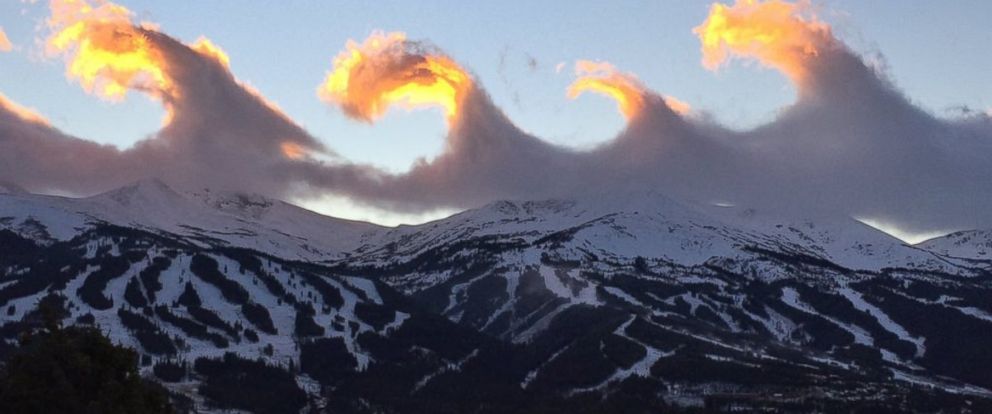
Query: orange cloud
pixel 105 51
pixel 293 150
pixel 604 78
pixel 679 106
pixel 109 54
pixel 207 48
pixel 387 69
pixel 27 114
pixel 5 45
pixel 777 33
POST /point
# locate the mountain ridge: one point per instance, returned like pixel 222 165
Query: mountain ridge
pixel 556 302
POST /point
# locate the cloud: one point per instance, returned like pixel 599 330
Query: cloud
pixel 779 34
pixel 218 131
pixel 22 113
pixel 387 69
pixel 486 156
pixel 603 78
pixel 851 144
pixel 5 45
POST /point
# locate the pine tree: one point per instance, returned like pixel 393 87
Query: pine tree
pixel 75 370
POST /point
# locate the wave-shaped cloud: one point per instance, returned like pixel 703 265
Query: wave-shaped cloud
pixel 851 144
pixel 217 131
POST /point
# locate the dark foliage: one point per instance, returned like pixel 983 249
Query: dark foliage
pixel 622 351
pixel 235 382
pixel 251 335
pixel 150 337
pixel 190 328
pixel 259 316
pixel 86 319
pixel 947 353
pixel 249 261
pixel 209 318
pixel 326 359
pixel 150 276
pixel 76 370
pixel 91 291
pixel 206 269
pixel 189 298
pixel 330 294
pixel 17 250
pixel 170 371
pixel 304 324
pixel 375 315
pixel 133 294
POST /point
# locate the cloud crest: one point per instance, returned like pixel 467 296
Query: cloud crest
pixel 5 45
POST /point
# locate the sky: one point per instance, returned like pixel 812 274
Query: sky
pixel 285 48
pixel 519 52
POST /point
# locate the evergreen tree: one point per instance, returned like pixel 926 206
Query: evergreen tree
pixel 75 370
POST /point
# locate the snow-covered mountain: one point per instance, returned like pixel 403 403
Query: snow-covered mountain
pixel 629 300
pixel 973 244
pixel 204 217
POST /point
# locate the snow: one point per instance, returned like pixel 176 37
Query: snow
pixel 677 243
pixel 235 219
pixel 512 281
pixel 615 291
pixel 974 312
pixel 641 368
pixel 843 240
pixel 693 301
pixel 532 375
pixel 967 310
pixel 396 323
pixel 619 228
pixel 777 324
pixel 791 297
pixel 541 324
pixel 973 244
pixel 459 290
pixel 174 279
pixel 883 319
pixel 903 376
pixel 366 286
pixel 451 366
pixel 552 280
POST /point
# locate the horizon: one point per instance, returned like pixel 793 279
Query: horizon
pixel 909 239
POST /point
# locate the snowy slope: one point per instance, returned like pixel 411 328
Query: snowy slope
pixel 206 218
pixel 621 227
pixel 841 240
pixel 973 244
pixel 631 286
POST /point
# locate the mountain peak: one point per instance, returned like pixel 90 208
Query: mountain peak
pixel 149 190
pixel 237 203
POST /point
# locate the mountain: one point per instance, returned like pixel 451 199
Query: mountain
pixel 205 218
pixel 629 302
pixel 973 244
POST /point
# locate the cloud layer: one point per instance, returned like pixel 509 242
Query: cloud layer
pixel 851 144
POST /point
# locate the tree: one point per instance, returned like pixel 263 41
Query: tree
pixel 76 370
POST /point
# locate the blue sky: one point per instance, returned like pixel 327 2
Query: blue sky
pixel 937 52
